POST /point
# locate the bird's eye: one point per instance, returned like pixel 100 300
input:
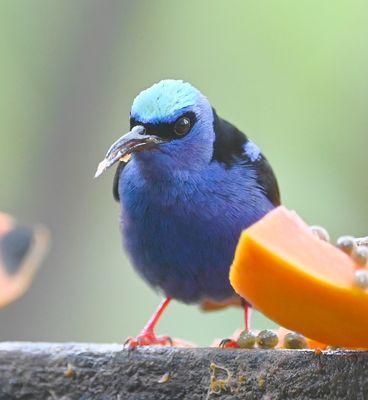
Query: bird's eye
pixel 182 126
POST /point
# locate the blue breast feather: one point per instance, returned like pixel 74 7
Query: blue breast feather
pixel 181 236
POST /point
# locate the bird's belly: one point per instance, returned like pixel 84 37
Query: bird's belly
pixel 186 251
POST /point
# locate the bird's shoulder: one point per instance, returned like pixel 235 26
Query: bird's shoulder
pixel 231 146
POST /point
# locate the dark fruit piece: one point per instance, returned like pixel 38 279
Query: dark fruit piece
pixel 360 256
pixel 361 278
pixel 347 244
pixel 320 232
pixel 295 340
pixel 246 340
pixel 267 339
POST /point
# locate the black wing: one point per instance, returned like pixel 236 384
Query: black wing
pixel 229 147
pixel 267 180
pixel 115 184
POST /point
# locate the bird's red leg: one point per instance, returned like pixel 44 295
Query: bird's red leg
pixel 247 315
pixel 147 336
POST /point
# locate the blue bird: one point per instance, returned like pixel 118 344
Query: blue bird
pixel 193 182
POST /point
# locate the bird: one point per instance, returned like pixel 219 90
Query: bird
pixel 188 182
pixel 22 248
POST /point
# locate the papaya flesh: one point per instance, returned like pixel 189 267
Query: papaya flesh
pixel 300 281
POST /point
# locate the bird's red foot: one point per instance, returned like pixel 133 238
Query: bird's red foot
pixel 228 344
pixel 148 338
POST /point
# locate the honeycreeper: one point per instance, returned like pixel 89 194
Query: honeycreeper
pixel 188 183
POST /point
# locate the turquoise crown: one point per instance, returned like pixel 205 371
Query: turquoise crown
pixel 164 101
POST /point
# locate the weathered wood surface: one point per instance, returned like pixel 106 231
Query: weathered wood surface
pixel 102 371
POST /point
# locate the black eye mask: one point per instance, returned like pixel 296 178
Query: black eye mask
pixel 167 131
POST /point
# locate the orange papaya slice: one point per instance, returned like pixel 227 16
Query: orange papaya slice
pixel 299 281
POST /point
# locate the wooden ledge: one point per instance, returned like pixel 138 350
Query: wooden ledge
pixel 68 371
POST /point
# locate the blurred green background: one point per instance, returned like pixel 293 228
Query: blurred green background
pixel 292 75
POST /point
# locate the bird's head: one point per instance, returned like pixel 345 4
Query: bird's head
pixel 171 120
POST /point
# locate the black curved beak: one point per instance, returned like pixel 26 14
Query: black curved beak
pixel 133 141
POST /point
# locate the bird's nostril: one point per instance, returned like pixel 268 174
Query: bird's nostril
pixel 14 246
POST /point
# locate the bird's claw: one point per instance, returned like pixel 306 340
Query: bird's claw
pixel 228 344
pixel 148 339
